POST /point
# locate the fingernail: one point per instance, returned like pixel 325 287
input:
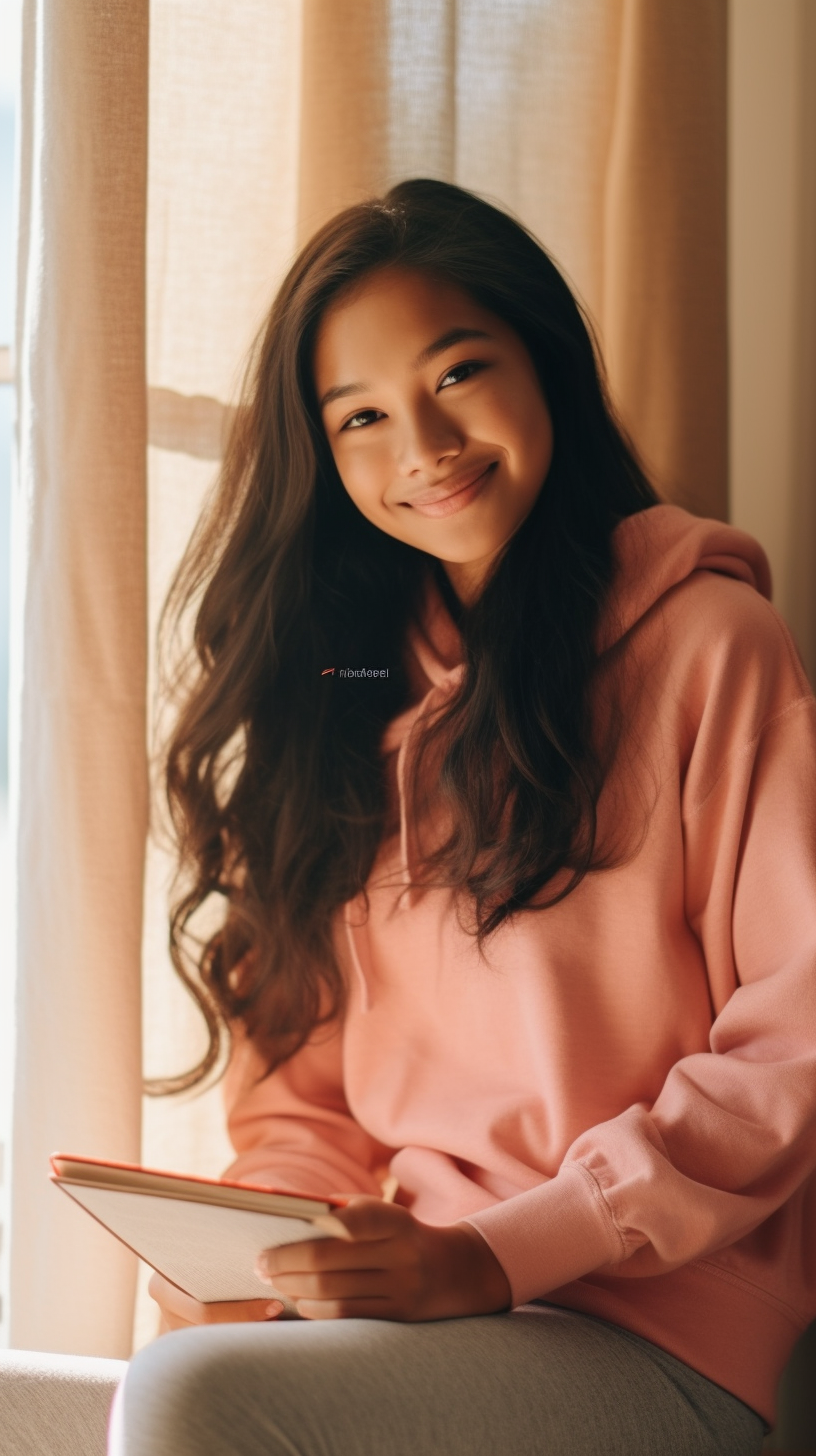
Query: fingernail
pixel 261 1270
pixel 273 1309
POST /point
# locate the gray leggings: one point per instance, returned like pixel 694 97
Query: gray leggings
pixel 539 1381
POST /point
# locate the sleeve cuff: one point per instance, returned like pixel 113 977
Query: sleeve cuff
pixel 544 1238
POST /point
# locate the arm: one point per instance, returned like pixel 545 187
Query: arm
pixel 732 1134
pixel 293 1128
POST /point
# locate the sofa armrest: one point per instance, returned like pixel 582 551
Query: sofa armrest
pixel 55 1405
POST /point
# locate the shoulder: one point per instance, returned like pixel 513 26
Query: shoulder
pixel 708 669
pixel 724 635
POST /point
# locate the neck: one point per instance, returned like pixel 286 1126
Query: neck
pixel 468 578
pixel 449 595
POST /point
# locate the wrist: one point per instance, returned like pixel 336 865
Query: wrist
pixel 480 1285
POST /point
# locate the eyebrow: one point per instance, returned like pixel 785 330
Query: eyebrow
pixel 445 341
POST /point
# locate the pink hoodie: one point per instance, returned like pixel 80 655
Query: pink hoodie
pixel 623 1099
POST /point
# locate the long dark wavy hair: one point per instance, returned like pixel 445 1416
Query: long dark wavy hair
pixel 275 779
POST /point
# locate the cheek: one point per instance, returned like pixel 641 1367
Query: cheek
pixel 365 476
pixel 538 426
pixel 528 433
pixel 543 447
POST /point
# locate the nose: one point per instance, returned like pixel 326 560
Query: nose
pixel 430 437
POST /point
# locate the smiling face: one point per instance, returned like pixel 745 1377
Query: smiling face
pixel 435 416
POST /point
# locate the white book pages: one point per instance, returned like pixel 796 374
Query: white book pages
pixel 207 1250
pixel 97 1174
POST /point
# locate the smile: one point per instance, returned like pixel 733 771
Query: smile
pixel 455 499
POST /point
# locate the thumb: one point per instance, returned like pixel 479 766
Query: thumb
pixel 369 1218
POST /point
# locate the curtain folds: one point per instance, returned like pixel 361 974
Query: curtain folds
pixel 600 124
pixel 772 295
pixel 663 302
pixel 78 770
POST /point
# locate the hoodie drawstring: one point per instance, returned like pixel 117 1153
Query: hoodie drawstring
pixel 351 926
pixel 407 894
pixel 356 931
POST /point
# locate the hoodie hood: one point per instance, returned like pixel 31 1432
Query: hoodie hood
pixel 660 547
pixel 655 550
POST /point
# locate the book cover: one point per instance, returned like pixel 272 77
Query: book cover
pixel 202 1234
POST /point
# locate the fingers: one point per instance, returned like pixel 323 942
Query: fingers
pixel 180 1310
pixel 330 1224
pixel 379 1274
pixel 170 1322
pixel 324 1309
pixel 175 1305
pixel 375 1275
pixel 239 1311
pixel 334 1284
pixel 368 1218
pixel 318 1254
pixel 365 1221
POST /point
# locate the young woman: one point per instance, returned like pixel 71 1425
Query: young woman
pixel 505 772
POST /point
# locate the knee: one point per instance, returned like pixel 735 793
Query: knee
pixel 175 1399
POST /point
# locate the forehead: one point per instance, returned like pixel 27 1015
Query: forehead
pixel 388 319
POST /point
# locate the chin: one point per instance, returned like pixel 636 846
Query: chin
pixel 470 549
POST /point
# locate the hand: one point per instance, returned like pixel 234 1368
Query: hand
pixel 179 1310
pixel 391 1267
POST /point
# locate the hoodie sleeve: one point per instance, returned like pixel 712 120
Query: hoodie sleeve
pixel 292 1129
pixel 732 1134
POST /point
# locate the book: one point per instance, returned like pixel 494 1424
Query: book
pixel 203 1234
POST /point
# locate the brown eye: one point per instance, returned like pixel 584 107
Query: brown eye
pixel 362 418
pixel 460 372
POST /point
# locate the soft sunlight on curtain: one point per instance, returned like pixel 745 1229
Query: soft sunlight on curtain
pixel 772 296
pixel 77 750
pixel 9 52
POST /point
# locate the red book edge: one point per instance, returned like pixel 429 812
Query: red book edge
pixel 336 1200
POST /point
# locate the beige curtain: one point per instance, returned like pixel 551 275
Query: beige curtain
pixel 600 123
pixel 78 771
pixel 772 295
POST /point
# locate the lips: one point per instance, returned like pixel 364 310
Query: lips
pixel 451 486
